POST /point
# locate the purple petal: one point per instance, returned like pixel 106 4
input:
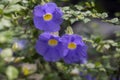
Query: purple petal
pixel 52 55
pixel 65 38
pixel 0 49
pixel 77 39
pixel 50 7
pixel 38 11
pixel 82 56
pixel 72 57
pixel 22 43
pixel 82 51
pixel 88 77
pixel 41 47
pixel 48 26
pixel 65 52
pixel 60 49
pixel 39 23
pixel 76 56
pixel 83 61
pixel 45 36
pixel 51 26
pixel 57 16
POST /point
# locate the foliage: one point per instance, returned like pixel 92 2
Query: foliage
pixel 24 63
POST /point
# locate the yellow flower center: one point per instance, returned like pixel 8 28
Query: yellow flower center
pixel 26 71
pixel 72 45
pixel 47 17
pixel 52 42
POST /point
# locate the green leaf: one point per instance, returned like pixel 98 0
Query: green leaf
pixel 107 46
pixel 6 53
pixel 13 8
pixel 86 20
pixel 5 23
pixel 12 72
pixel 14 1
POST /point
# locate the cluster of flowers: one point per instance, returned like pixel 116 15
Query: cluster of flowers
pixel 52 47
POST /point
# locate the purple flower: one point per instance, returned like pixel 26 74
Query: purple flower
pixel 47 17
pixel 75 49
pixel 49 47
pixel 22 43
pixel 89 77
pixel 19 44
pixel 112 77
pixel 0 49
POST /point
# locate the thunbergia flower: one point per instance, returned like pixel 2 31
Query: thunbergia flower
pixel 19 44
pixel 47 17
pixel 50 47
pixel 75 49
pixel 112 77
pixel 0 50
pixel 90 77
pixel 87 76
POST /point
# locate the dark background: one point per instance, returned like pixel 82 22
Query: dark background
pixel 109 6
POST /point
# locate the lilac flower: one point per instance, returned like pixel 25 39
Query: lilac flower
pixel 22 43
pixel 0 50
pixel 47 17
pixel 49 47
pixel 89 77
pixel 112 77
pixel 19 44
pixel 75 49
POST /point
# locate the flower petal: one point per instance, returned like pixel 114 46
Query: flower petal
pixel 77 39
pixel 41 47
pixel 82 51
pixel 60 49
pixel 52 55
pixel 38 11
pixel 48 26
pixel 72 57
pixel 45 36
pixel 50 7
pixel 57 16
pixel 39 23
pixel 83 61
pixel 65 39
pixel 51 27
